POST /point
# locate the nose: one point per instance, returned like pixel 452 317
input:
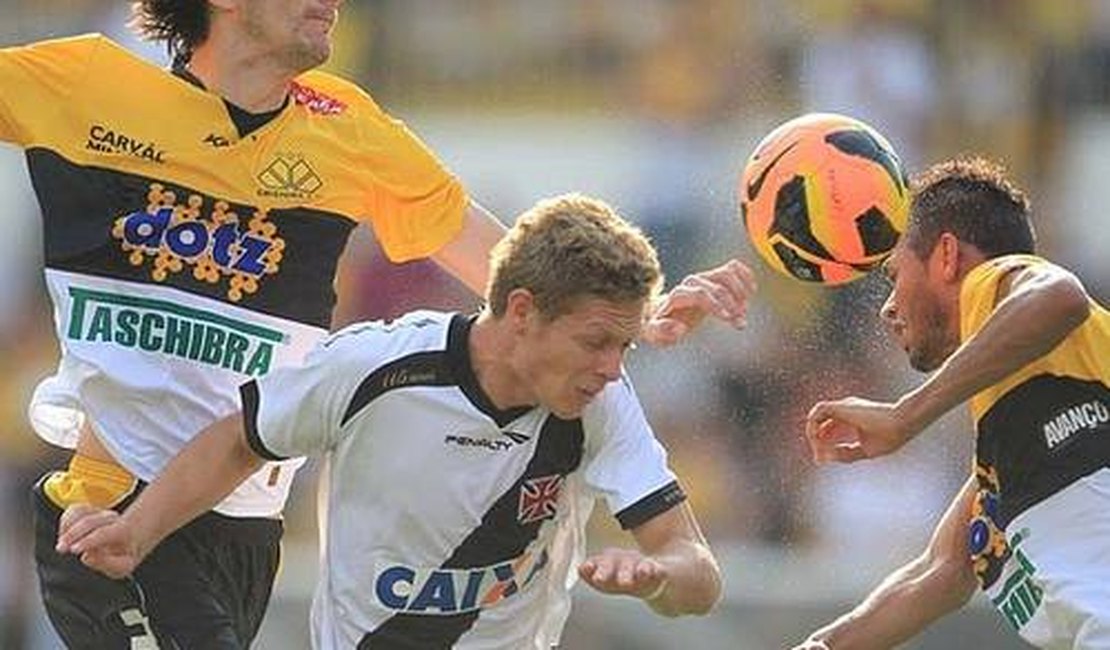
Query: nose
pixel 889 316
pixel 610 363
pixel 888 312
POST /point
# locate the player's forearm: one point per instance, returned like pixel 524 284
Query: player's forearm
pixel 467 256
pixel 693 581
pixel 1025 326
pixel 197 479
pixel 899 608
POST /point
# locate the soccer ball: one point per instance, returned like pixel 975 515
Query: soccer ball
pixel 824 198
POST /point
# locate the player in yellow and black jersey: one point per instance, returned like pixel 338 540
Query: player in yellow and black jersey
pixel 193 219
pixel 1020 339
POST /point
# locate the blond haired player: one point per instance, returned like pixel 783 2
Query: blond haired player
pixel 465 455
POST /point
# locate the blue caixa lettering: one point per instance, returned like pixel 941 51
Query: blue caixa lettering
pixel 447 591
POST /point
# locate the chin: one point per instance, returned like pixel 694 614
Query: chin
pixel 317 56
pixel 923 362
pixel 568 409
pixel 310 54
pixel 567 413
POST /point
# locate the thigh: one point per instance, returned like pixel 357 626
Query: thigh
pixel 88 610
pixel 208 584
pixel 205 587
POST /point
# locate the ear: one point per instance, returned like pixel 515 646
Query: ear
pixel 948 252
pixel 520 309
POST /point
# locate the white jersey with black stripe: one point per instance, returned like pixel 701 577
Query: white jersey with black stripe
pixel 449 523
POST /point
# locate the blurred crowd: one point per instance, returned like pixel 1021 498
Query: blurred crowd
pixel 654 104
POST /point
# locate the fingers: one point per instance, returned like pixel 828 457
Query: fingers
pixel 622 572
pixel 72 514
pixel 735 284
pixel 77 523
pixel 721 295
pixel 664 332
pixel 739 279
pixel 830 438
pixel 818 423
pixel 723 291
pixel 848 452
pixel 98 536
pixel 112 564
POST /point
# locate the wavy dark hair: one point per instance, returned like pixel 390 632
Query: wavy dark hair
pixel 182 24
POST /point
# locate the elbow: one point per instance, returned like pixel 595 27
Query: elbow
pixel 955 579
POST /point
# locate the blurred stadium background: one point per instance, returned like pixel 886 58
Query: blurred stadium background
pixel 653 105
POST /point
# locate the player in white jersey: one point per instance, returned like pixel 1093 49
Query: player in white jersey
pixel 1022 341
pixel 464 456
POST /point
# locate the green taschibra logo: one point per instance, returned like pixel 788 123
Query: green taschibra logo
pixel 1021 595
pixel 173 329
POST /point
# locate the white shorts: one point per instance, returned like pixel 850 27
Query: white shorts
pixel 1055 587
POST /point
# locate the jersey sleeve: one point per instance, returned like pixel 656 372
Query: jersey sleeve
pixel 979 292
pixel 37 81
pixel 415 204
pixel 625 463
pixel 298 410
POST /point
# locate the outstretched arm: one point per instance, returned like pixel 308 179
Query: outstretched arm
pixel 467 255
pixel 721 292
pixel 205 471
pixel 673 569
pixel 1040 306
pixel 910 599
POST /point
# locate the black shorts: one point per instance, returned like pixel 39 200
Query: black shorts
pixel 206 586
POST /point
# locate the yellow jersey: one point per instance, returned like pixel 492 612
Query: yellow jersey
pixel 183 257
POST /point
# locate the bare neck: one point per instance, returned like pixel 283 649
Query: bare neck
pixel 254 81
pixel 491 355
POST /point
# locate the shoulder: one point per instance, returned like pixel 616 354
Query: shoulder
pixel 324 93
pixel 997 273
pixel 378 342
pixel 82 46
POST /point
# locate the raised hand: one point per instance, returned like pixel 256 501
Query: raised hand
pixel 722 292
pixel 854 428
pixel 102 540
pixel 624 571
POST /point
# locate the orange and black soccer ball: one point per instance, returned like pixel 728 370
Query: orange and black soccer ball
pixel 824 198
